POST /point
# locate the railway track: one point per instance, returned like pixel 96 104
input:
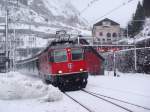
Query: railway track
pixel 86 108
pixel 107 99
pixel 115 99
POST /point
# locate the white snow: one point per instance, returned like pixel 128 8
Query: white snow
pixel 14 86
pixel 20 93
pixel 131 87
pixel 59 8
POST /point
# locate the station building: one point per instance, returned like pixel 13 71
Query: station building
pixel 106 31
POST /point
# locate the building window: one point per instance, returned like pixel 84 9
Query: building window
pixel 100 34
pixel 98 39
pixel 114 34
pixel 108 34
pixel 108 39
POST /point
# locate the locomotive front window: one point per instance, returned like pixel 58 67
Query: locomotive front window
pixel 77 54
pixel 60 56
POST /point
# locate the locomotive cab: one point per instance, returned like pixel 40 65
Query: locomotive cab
pixel 67 60
pixel 68 66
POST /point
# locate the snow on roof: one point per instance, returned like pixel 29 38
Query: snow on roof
pixel 106 19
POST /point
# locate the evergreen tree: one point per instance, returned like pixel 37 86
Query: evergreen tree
pixel 136 24
pixel 130 27
pixel 146 6
pixel 139 15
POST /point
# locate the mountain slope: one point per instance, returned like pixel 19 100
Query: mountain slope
pixel 57 11
pixel 53 12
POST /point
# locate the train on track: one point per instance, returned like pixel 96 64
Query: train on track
pixel 63 63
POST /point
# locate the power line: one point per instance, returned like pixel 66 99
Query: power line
pixel 83 10
pixel 114 9
pixel 88 6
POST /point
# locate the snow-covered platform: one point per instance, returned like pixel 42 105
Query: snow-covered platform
pixel 20 93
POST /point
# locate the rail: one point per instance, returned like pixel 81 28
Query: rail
pixel 146 108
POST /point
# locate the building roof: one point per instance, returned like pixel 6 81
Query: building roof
pixel 106 19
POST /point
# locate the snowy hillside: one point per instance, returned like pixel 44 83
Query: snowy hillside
pixel 56 13
pixel 63 8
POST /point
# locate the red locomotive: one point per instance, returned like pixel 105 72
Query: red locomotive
pixel 61 64
pixel 64 65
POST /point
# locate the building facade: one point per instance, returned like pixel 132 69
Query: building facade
pixel 106 31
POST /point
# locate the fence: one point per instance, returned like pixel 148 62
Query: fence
pixel 124 60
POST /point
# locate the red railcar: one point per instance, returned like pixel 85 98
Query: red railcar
pixel 94 61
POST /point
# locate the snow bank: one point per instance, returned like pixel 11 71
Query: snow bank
pixel 14 86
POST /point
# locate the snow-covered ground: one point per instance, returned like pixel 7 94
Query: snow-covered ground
pixel 20 93
pixel 14 86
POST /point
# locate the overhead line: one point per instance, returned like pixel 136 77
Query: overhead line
pixel 114 9
pixel 107 45
pixel 88 6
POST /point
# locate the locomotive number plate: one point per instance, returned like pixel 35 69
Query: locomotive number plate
pixel 70 65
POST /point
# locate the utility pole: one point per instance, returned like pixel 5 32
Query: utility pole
pixel 135 56
pixel 114 63
pixel 127 32
pixel 6 28
pixel 14 48
pixel 14 37
pixel 6 34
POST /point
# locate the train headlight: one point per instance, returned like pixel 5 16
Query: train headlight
pixel 69 50
pixel 81 70
pixel 60 72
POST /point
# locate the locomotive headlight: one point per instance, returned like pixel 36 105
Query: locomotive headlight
pixel 81 69
pixel 60 72
pixel 69 50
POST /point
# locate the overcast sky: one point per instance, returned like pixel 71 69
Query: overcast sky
pixel 101 7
